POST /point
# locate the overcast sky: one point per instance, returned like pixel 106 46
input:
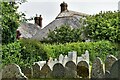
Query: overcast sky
pixel 49 9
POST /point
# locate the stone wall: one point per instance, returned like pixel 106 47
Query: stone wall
pixel 68 66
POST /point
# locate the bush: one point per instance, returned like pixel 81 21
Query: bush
pixel 11 53
pixel 64 34
pixel 103 26
pixel 23 52
pixel 100 48
pixel 32 50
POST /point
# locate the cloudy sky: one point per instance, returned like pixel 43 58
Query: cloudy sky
pixel 49 9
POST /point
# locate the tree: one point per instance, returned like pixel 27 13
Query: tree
pixel 64 34
pixel 103 26
pixel 10 21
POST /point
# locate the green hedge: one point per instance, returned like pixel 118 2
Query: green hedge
pixel 100 48
pixel 23 52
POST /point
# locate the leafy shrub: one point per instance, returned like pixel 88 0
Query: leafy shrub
pixel 10 20
pixel 64 34
pixel 32 50
pixel 23 52
pixel 11 53
pixel 100 48
pixel 103 26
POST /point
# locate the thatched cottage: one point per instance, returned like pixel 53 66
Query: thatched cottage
pixel 35 31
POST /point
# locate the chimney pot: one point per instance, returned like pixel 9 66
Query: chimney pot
pixel 38 20
pixel 63 6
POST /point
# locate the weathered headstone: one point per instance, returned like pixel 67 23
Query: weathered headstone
pixel 70 70
pixel 109 62
pixel 71 65
pixel 83 57
pixel 107 74
pixel 115 70
pixel 12 72
pixel 83 69
pixel 41 63
pixel 58 71
pixel 36 70
pixel 45 70
pixel 27 72
pixel 86 56
pixel 97 69
pixel 55 61
pixel 72 56
pixel 66 59
pixel 70 73
pixel 51 63
pixel 61 57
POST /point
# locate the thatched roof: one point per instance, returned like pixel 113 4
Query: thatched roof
pixel 70 18
pixel 28 30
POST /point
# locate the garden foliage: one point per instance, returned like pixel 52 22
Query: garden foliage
pixel 96 49
pixel 103 26
pixel 23 52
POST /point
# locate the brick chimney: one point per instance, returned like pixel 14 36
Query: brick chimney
pixel 63 6
pixel 38 20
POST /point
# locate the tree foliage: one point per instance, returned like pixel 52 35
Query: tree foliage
pixel 23 52
pixel 10 20
pixel 64 34
pixel 103 26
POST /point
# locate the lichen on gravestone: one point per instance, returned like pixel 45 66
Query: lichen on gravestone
pixel 13 71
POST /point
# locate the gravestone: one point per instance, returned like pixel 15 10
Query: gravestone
pixel 97 69
pixel 27 72
pixel 83 57
pixel 65 60
pixel 58 71
pixel 51 63
pixel 36 70
pixel 45 70
pixel 86 56
pixel 61 57
pixel 12 72
pixel 70 70
pixel 109 61
pixel 55 61
pixel 41 63
pixel 72 56
pixel 115 70
pixel 107 74
pixel 83 69
pixel 71 65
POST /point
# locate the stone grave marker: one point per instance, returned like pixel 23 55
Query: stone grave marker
pixel 58 71
pixel 83 57
pixel 27 71
pixel 41 63
pixel 51 63
pixel 45 70
pixel 71 65
pixel 55 61
pixel 66 59
pixel 109 61
pixel 70 70
pixel 61 57
pixel 72 56
pixel 83 69
pixel 36 70
pixel 97 69
pixel 13 72
pixel 86 56
pixel 115 70
pixel 107 74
